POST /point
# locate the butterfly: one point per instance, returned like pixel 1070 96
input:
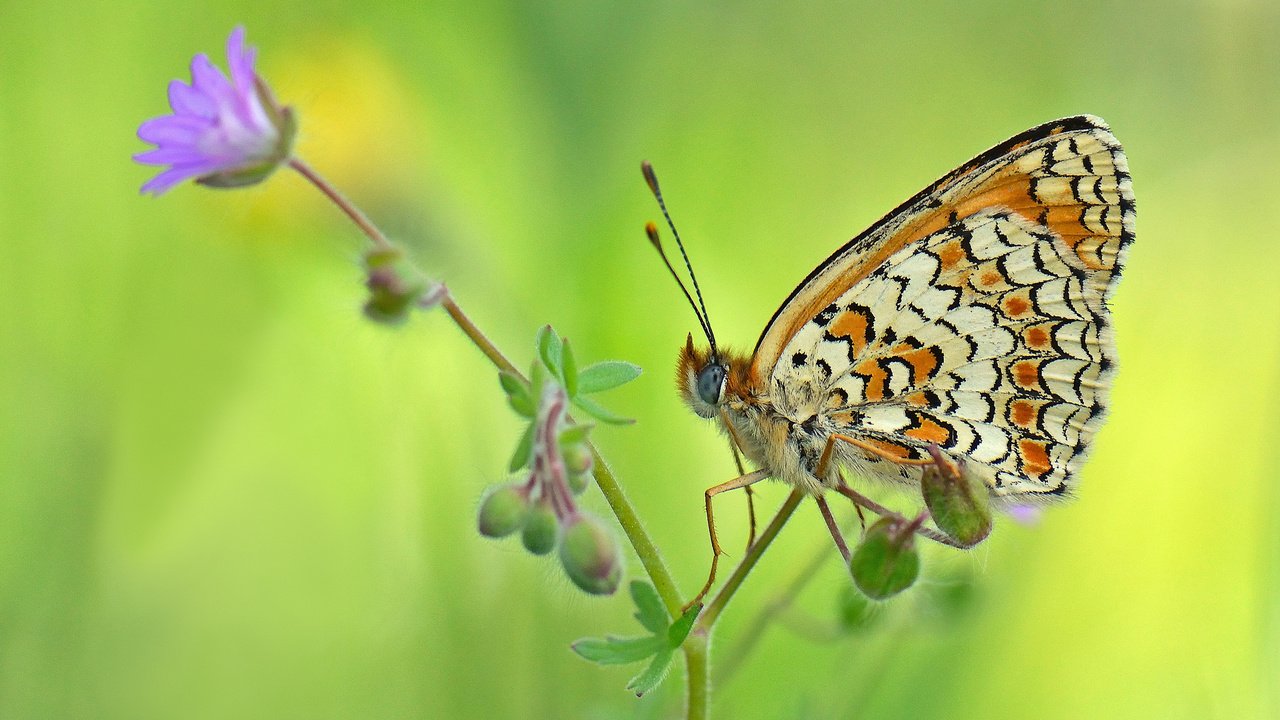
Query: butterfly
pixel 972 318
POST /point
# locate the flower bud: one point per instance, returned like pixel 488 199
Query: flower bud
pixel 886 562
pixel 503 511
pixel 395 286
pixel 957 500
pixel 590 556
pixel 539 535
pixel 577 459
pixel 578 482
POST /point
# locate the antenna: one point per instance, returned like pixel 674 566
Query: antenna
pixel 700 308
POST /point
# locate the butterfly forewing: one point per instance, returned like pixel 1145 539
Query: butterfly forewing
pixel 972 317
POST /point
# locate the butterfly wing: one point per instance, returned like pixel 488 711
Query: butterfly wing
pixel 974 315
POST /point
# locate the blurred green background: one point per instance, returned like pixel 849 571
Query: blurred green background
pixel 224 494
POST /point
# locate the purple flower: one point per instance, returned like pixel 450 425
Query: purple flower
pixel 222 133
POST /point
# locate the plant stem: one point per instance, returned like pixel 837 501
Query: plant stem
pixel 622 509
pixel 755 629
pixel 477 337
pixel 648 553
pixel 713 610
pixel 360 219
pixel 697 645
pixel 696 650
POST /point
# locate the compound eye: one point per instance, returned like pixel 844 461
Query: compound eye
pixel 711 383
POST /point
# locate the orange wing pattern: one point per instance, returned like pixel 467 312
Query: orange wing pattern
pixel 972 317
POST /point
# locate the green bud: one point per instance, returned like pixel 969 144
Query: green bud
pixel 539 536
pixel 577 459
pixel 590 556
pixel 886 561
pixel 579 482
pixel 395 286
pixel 958 501
pixel 503 511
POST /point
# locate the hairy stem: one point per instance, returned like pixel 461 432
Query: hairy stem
pixel 359 218
pixel 622 509
pixel 696 646
pixel 756 627
pixel 713 610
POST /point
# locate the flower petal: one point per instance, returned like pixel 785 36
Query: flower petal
pixel 166 180
pixel 173 156
pixel 240 61
pixel 186 100
pixel 209 80
pixel 173 130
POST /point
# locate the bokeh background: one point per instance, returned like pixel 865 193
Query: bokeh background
pixel 224 494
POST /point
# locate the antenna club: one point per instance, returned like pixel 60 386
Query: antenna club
pixel 650 177
pixel 651 229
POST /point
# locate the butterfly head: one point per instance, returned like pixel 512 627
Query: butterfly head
pixel 706 378
pixel 701 378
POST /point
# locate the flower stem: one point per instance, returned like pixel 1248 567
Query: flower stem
pixel 477 337
pixel 755 629
pixel 696 646
pixel 622 509
pixel 359 218
pixel 712 611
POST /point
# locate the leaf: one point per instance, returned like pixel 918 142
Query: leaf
pixel 549 349
pixel 575 434
pixel 679 629
pixel 569 369
pixel 618 651
pixel 600 413
pixel 652 675
pixel 518 395
pixel 652 613
pixel 606 375
pixel 524 450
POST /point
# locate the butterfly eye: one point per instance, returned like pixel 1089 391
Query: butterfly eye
pixel 711 383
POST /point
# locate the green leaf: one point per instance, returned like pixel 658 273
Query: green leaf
pixel 549 349
pixel 652 675
pixel 598 412
pixel 537 379
pixel 518 394
pixel 606 376
pixel 575 434
pixel 617 651
pixel 679 629
pixel 569 369
pixel 524 450
pixel 652 613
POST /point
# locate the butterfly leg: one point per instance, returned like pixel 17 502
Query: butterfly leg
pixel 825 460
pixel 833 527
pixel 751 504
pixel 741 481
pixel 860 501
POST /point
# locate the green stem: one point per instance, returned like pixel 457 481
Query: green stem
pixel 697 645
pixel 696 651
pixel 755 629
pixel 359 218
pixel 650 559
pixel 648 553
pixel 712 611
